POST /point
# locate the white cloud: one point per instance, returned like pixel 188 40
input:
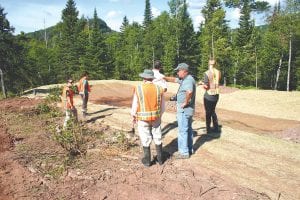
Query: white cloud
pixel 196 4
pixel 113 14
pixel 233 13
pixel 138 19
pixel 155 11
pixel 233 16
pixel 197 20
pixel 271 2
pixel 114 24
pixel 27 19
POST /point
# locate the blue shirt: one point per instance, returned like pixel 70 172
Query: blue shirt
pixel 186 84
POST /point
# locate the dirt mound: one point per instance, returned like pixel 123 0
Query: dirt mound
pixel 38 168
pixel 18 104
pixel 120 95
pixel 114 94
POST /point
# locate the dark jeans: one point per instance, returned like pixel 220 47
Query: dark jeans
pixel 210 113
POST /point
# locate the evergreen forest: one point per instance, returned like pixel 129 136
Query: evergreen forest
pixel 265 57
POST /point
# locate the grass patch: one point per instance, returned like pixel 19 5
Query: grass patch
pixel 242 87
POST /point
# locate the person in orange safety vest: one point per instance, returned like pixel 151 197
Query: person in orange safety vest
pixel 84 89
pixel 147 107
pixel 67 97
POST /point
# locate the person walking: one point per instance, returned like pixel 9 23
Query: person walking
pixel 67 97
pixel 185 104
pixel 146 111
pixel 84 89
pixel 211 96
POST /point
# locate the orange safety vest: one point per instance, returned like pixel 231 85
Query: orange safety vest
pixel 81 86
pixel 149 101
pixel 67 91
pixel 213 81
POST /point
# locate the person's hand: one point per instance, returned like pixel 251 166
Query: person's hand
pixel 200 83
pixel 134 120
pixel 183 105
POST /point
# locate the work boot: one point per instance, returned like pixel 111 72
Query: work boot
pixel 216 125
pixel 159 154
pixel 146 160
pixel 208 129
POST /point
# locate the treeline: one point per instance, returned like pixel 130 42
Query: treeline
pixel 266 57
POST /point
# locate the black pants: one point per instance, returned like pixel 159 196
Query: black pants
pixel 210 113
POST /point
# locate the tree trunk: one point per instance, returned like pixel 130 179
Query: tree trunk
pixel 2 84
pixel 278 72
pixel 256 70
pixel 212 46
pixel 45 34
pixel 289 65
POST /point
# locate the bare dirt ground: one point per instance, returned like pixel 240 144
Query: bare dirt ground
pixel 255 157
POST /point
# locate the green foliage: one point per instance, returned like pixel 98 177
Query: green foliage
pixel 77 44
pixel 55 93
pixel 148 14
pixel 214 39
pixel 71 138
pixel 46 109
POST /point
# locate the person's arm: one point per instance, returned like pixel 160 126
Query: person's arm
pixel 69 102
pixel 205 82
pixel 134 108
pixel 170 79
pixel 162 104
pixel 188 96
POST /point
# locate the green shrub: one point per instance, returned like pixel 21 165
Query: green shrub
pixel 54 94
pixel 45 108
pixel 71 138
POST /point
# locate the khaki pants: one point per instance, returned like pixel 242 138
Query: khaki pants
pixel 149 130
pixel 70 113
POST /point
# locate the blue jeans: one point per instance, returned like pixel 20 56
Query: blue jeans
pixel 185 133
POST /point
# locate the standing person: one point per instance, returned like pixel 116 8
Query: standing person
pixel 185 110
pixel 146 110
pixel 67 97
pixel 211 96
pixel 84 89
pixel 159 79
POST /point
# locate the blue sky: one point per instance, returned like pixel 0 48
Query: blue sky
pixel 29 15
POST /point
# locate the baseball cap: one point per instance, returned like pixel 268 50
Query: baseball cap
pixel 182 66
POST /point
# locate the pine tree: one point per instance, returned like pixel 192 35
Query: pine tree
pixel 128 60
pixel 246 25
pixel 6 50
pixel 125 23
pixel 187 40
pixel 147 14
pixel 244 47
pixel 96 59
pixel 148 46
pixel 214 39
pixel 68 49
